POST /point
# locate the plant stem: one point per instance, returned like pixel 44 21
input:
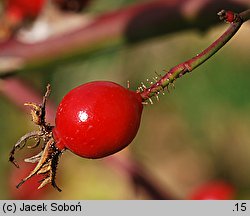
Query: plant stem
pixel 189 65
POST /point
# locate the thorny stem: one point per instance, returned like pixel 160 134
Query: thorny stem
pixel 189 65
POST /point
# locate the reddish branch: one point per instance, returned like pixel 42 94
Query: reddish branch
pixel 131 24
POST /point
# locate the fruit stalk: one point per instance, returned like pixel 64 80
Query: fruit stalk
pixel 189 65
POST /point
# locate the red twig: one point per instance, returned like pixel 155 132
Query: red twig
pixel 131 24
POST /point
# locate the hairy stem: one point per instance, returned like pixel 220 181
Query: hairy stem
pixel 189 65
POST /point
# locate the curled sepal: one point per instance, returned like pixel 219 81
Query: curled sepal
pixel 47 161
pixel 21 143
pixel 38 110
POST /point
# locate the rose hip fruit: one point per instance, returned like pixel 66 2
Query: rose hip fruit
pixel 97 119
pixel 16 13
pixel 22 9
pixel 93 120
pixel 215 190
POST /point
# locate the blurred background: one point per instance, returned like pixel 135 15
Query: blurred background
pixel 197 134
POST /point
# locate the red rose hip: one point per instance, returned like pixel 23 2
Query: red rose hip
pixel 214 190
pixel 97 119
pixel 24 8
pixel 16 13
pixel 93 120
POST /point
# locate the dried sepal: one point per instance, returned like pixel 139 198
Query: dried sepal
pixel 47 159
